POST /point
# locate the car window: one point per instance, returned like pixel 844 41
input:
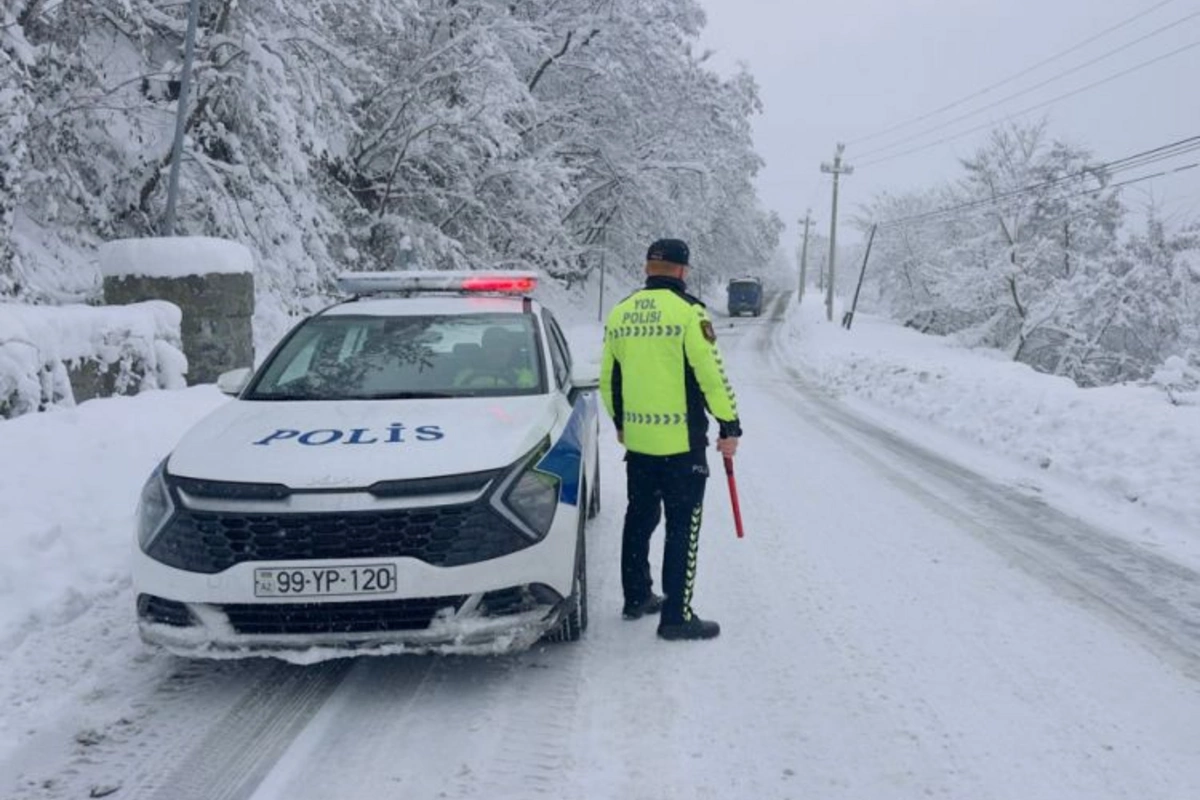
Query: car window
pixel 557 333
pixel 558 351
pixel 301 363
pixel 372 357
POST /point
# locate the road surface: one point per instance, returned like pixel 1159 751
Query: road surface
pixel 894 626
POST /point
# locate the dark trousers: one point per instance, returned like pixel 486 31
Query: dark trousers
pixel 658 485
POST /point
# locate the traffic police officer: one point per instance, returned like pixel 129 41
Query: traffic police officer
pixel 660 370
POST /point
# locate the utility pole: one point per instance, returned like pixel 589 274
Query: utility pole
pixel 837 168
pixel 804 253
pixel 603 270
pixel 181 112
pixel 848 317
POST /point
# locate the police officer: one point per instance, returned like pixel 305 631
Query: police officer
pixel 660 370
pixel 498 366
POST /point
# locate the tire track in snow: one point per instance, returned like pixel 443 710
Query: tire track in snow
pixel 364 739
pixel 530 755
pixel 199 730
pixel 240 749
pixel 448 727
pixel 1142 593
pixel 429 726
pixel 849 679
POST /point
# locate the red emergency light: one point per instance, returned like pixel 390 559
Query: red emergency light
pixel 505 285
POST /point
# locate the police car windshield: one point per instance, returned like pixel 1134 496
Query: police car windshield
pixel 387 358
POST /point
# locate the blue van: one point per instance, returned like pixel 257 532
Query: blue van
pixel 745 297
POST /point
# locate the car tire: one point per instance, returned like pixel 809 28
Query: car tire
pixel 575 622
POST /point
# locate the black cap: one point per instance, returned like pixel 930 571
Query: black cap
pixel 673 251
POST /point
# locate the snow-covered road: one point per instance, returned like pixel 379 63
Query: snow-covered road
pixel 894 626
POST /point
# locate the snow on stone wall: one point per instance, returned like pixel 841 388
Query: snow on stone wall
pixel 60 355
pixel 174 257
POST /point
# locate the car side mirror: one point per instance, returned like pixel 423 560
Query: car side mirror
pixel 234 381
pixel 585 377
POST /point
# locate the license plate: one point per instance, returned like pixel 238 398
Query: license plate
pixel 325 581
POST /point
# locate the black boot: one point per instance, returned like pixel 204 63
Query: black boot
pixel 694 628
pixel 651 605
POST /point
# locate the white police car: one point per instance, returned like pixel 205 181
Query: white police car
pixel 409 470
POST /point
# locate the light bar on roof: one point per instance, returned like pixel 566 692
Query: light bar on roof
pixel 490 282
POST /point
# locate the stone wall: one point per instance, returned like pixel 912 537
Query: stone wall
pixel 217 310
pixel 62 355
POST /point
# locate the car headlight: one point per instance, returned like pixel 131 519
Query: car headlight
pixel 527 496
pixel 155 506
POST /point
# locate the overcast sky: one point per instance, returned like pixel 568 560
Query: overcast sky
pixel 847 69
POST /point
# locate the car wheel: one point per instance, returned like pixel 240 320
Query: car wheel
pixel 593 509
pixel 576 621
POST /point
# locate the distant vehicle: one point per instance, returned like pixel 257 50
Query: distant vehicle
pixel 745 297
pixel 411 468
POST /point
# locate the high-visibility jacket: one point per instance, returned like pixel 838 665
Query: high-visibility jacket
pixel 661 369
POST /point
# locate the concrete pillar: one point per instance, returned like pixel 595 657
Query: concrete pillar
pixel 212 282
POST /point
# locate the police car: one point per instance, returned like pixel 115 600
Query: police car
pixel 409 470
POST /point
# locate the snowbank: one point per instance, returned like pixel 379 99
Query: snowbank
pixel 1128 440
pixel 69 485
pixel 174 257
pixel 127 349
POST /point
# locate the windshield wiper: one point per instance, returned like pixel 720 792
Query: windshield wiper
pixel 411 396
pixel 336 397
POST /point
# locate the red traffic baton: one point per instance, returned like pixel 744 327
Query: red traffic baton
pixel 733 497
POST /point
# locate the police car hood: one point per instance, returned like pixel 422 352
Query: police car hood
pixel 353 444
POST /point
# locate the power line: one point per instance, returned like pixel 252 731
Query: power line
pixel 1013 77
pixel 1035 87
pixel 1144 158
pixel 1036 106
pixel 972 205
pixel 1160 154
pixel 1140 179
pixel 1135 161
pixel 1161 174
pixel 1130 182
pixel 923 219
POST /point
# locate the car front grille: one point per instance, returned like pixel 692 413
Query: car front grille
pixel 442 536
pixel 357 617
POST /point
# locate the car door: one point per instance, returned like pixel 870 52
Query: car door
pixel 580 407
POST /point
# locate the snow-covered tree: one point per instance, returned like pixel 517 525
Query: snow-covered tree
pixel 1025 253
pixel 1044 209
pixel 16 57
pixel 375 134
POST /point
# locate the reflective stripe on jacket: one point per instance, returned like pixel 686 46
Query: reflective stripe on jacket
pixel 661 369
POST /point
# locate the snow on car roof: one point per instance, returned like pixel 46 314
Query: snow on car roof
pixel 429 304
